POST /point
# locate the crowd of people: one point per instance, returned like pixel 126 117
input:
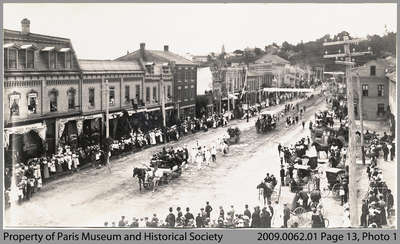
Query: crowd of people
pixel 270 216
pixel 378 205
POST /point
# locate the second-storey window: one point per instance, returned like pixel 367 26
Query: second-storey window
pixel 71 98
pixel 365 90
pixel 147 94
pixel 22 59
pixel 52 60
pixel 61 59
pixel 155 94
pixel 127 95
pixel 12 58
pixel 137 90
pixel 68 60
pixel 380 91
pixel 32 102
pixel 53 100
pixel 30 59
pixel 91 97
pixel 112 95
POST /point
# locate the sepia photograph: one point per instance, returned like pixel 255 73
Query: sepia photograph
pixel 189 115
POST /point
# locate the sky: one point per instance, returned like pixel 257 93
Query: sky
pixel 108 31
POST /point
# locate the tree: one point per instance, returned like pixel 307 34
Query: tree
pixel 238 52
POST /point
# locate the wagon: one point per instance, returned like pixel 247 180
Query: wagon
pixel 267 121
pixel 333 176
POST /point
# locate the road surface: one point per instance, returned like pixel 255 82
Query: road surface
pixel 91 197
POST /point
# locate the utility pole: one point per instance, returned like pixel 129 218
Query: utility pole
pixel 107 90
pixel 247 95
pixel 162 99
pixel 346 59
pixel 360 106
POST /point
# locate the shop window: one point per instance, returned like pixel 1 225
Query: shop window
pixel 112 96
pixel 147 94
pixel 32 102
pixel 14 100
pixel 381 109
pixel 91 97
pixel 30 59
pixel 12 58
pixel 22 59
pixel 137 90
pixel 365 90
pixel 372 70
pixel 53 94
pixel 71 98
pixel 127 95
pixel 380 91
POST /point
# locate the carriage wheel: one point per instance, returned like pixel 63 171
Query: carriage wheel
pixel 335 189
pixel 299 211
pixel 326 223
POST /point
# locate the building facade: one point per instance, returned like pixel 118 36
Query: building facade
pixel 42 85
pixel 374 89
pixel 182 77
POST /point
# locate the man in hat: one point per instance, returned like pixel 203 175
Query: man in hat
pixel 282 175
pixel 208 209
pixel 170 220
pixel 364 214
pixel 286 215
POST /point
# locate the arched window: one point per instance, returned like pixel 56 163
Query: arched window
pixel 71 98
pixel 14 99
pixel 32 102
pixel 53 94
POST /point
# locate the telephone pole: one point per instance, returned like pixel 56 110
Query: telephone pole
pixel 346 59
pixel 107 90
pixel 162 99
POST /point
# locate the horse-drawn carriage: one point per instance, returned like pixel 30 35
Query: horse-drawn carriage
pixel 161 170
pixel 234 136
pixel 334 178
pixel 266 122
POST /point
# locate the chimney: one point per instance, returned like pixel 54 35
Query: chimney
pixel 25 26
pixel 166 48
pixel 142 50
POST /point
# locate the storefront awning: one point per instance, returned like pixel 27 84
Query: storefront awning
pixel 40 128
pixel 169 108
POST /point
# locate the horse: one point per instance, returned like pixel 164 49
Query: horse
pixel 319 148
pixel 141 174
pixel 265 191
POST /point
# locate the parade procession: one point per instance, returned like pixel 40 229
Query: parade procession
pixel 149 135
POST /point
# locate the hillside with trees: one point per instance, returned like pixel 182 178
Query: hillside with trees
pixel 311 53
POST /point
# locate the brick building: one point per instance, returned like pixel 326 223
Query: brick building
pixel 179 71
pixel 374 89
pixel 42 85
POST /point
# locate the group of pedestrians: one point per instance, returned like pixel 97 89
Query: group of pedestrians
pixel 270 216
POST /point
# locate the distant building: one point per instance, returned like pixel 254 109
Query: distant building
pixel 374 90
pixel 180 71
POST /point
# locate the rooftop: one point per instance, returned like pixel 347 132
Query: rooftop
pixel 108 65
pixel 271 58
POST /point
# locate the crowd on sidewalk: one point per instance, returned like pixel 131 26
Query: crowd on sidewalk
pixel 270 216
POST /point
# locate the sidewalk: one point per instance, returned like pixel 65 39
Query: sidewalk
pixel 389 170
